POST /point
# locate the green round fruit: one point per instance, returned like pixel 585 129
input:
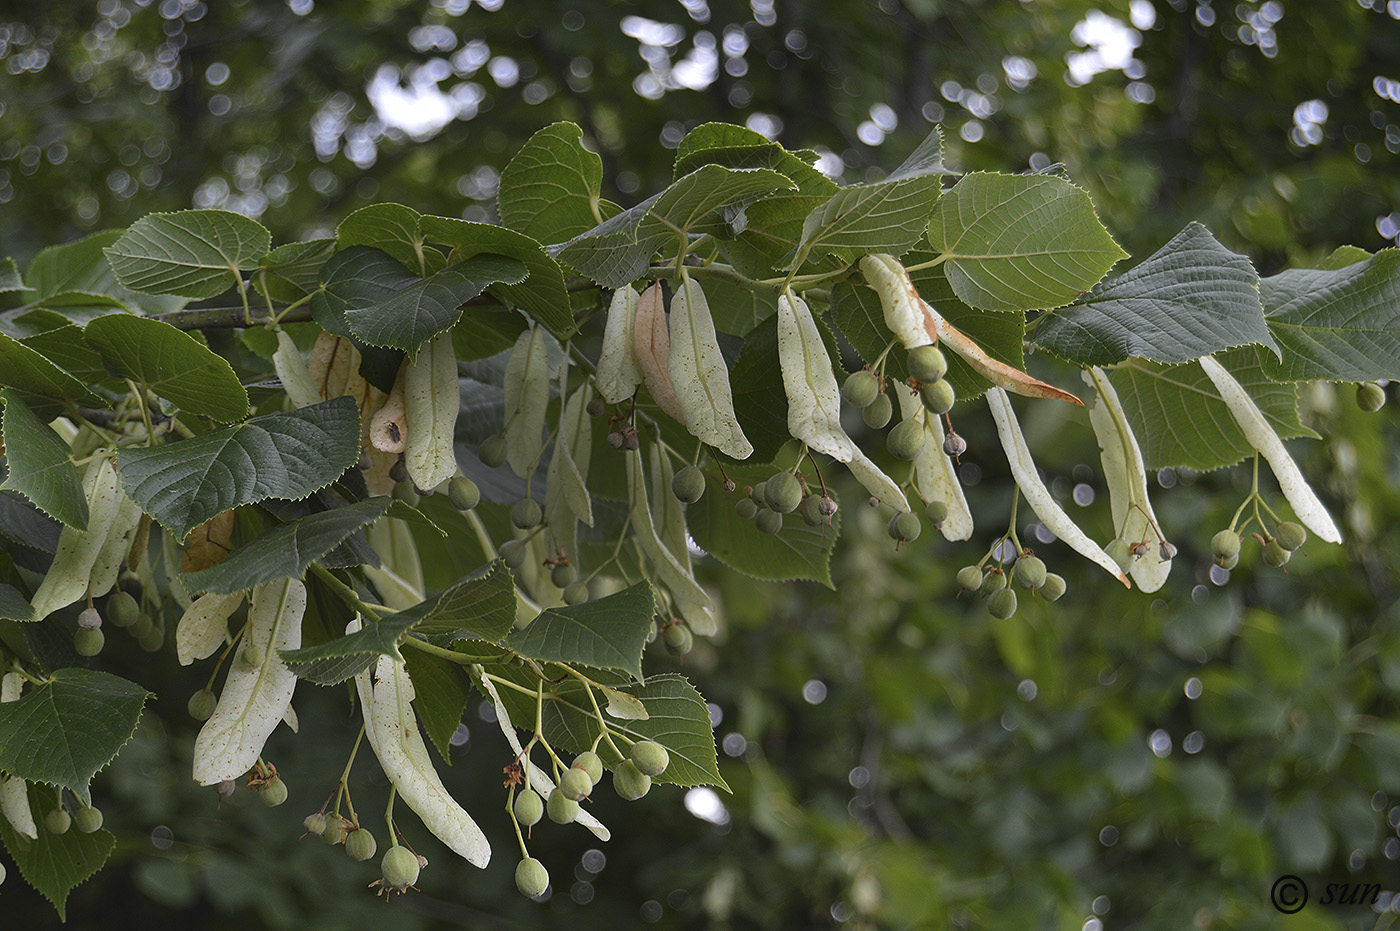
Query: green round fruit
pixel 575 784
pixel 678 639
pixel 360 845
pixel 492 453
pixel 1120 553
pixel 595 407
pixel 560 808
pixel 650 758
pixel 994 581
pixel 202 704
pixel 970 578
pixel 936 512
pixel 954 445
pixel 927 363
pixel 769 521
pixel 1275 555
pixel 531 878
pixel 88 642
pixel 1002 604
pixel 590 763
pixel 562 574
pixel 463 494
pixel 746 509
pixel 688 485
pixel 758 493
pixel 904 527
pixel 1290 536
pixel 783 492
pixel 399 471
pixel 811 511
pixel 878 412
pixel 1052 588
pixel 88 820
pixel 405 492
pixel 1225 545
pixel 122 609
pixel 89 619
pixel 526 515
pixel 512 552
pixel 528 807
pixel 274 793
pixel 629 782
pixel 1029 572
pixel 58 821
pixel 576 593
pixel 906 440
pixel 334 832
pixel 251 655
pixel 1370 397
pixel 1229 562
pixel 153 640
pixel 315 823
pixel 938 396
pixel 399 868
pixel 141 626
pixel 860 389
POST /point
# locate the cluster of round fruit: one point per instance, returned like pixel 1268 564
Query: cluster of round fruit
pixel 783 493
pixel 461 491
pixel 1028 572
pixel 675 636
pixel 335 829
pixel 1278 546
pixel 927 368
pixel 124 611
pixel 631 781
pixel 87 820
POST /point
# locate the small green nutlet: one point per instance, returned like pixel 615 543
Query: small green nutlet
pixel 526 515
pixel 1052 588
pixel 274 793
pixel 1229 562
pixel 595 407
pixel 994 581
pixel 758 494
pixel 1290 536
pixel 678 639
pixel 89 619
pixel 688 485
pixel 878 412
pixel 576 593
pixel 315 823
pixel 492 454
pixel 1370 397
pixel 860 389
pixel 906 440
pixel 202 704
pixel 251 655
pixel 463 493
pixel 528 807
pixel 399 868
pixel 970 578
pixel 590 763
pixel 811 511
pixel 650 758
pixel 904 527
pixel 1120 553
pixel 562 574
pixel 1275 555
pixel 122 609
pixel 927 363
pixel 938 396
pixel 746 509
pixel 405 492
pixel 575 784
pixel 783 492
pixel 88 642
pixel 1002 604
pixel 88 820
pixel 1029 572
pixel 936 512
pixel 769 521
pixel 1225 545
pixel 360 845
pixel 531 878
pixel 512 552
pixel 153 640
pixel 629 782
pixel 335 831
pixel 560 808
pixel 58 821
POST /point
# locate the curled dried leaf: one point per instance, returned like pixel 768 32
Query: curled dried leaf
pixel 995 371
pixel 207 544
pixel 651 344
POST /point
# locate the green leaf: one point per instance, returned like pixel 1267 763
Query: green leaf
pixel 482 608
pixel 884 216
pixel 798 552
pixel 10 279
pixel 1020 242
pixel 291 271
pixel 541 295
pixel 609 633
pixel 391 228
pixel 13 607
pixel 64 346
pixel 1180 420
pixel 336 660
pixel 482 332
pixel 26 525
pixel 614 252
pixel 77 280
pixel 440 696
pixel 41 465
pixel 55 864
pixel 63 731
pixel 193 253
pixel 1191 298
pixel 30 371
pixel 282 455
pixel 420 308
pixel 285 550
pixel 172 363
pixel 774 229
pixel 740 147
pixel 1341 324
pixel 552 189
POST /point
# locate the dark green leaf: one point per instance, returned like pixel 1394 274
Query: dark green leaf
pixel 193 253
pixel 53 863
pixel 63 731
pixel 482 608
pixel 391 228
pixel 292 271
pixel 607 634
pixel 41 465
pixel 551 189
pixel 26 369
pixel 172 363
pixel 440 696
pixel 77 280
pixel 483 332
pixel 798 552
pixel 26 525
pixel 285 550
pixel 64 346
pixel 282 455
pixel 336 660
pixel 614 252
pixel 1191 298
pixel 13 607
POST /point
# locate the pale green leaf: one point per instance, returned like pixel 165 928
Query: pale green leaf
pixel 292 270
pixel 77 280
pixel 481 608
pixel 193 253
pixel 172 363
